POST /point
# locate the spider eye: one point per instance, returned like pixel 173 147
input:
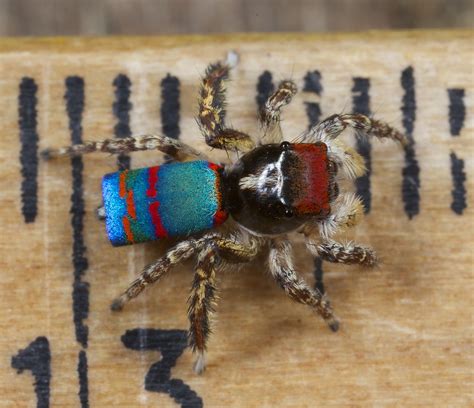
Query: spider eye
pixel 285 145
pixel 280 210
pixel 332 167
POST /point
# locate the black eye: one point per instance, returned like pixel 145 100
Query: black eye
pixel 332 167
pixel 285 145
pixel 288 212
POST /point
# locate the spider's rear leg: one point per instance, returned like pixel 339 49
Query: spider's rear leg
pixel 100 213
pixel 212 109
pixel 201 305
pixel 281 267
pixel 153 272
pixel 269 115
pixel 174 148
pixel 202 298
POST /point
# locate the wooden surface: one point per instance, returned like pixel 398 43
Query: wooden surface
pixel 406 334
pixel 145 17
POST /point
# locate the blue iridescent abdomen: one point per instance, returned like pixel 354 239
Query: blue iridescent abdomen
pixel 176 199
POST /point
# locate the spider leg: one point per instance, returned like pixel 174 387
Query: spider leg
pixel 351 162
pixel 212 109
pixel 347 159
pixel 281 267
pixel 174 148
pixel 346 253
pixel 347 210
pixel 202 298
pixel 331 127
pixel 153 272
pixel 201 304
pixel 100 213
pixel 269 115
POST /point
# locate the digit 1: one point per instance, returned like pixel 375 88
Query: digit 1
pixel 36 358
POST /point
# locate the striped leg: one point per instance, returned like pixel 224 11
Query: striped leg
pixel 202 298
pixel 333 126
pixel 212 109
pixel 269 115
pixel 281 267
pixel 153 272
pixel 174 148
pixel 201 305
pixel 348 253
pixel 350 162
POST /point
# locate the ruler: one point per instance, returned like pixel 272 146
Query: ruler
pixel 406 333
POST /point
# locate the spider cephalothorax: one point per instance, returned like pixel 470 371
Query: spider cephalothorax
pixel 274 188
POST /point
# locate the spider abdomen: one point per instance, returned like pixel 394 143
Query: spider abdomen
pixel 176 199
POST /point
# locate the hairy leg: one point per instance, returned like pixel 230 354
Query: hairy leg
pixel 281 267
pixel 350 162
pixel 347 253
pixel 334 125
pixel 212 109
pixel 347 211
pixel 269 115
pixel 176 149
pixel 201 304
pixel 202 298
pixel 153 272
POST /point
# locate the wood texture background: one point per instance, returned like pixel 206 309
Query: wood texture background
pixel 145 17
pixel 406 334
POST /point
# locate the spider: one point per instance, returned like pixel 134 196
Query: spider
pixel 276 187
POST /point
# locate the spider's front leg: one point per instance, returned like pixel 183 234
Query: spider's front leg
pixel 346 253
pixel 281 267
pixel 346 213
pixel 350 162
pixel 172 147
pixel 202 298
pixel 269 115
pixel 212 109
pixel 331 127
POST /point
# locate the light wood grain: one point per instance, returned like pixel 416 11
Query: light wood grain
pixel 406 335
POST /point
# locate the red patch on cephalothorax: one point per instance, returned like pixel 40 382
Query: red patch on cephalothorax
pixel 221 215
pixel 152 180
pixel 160 230
pixel 314 199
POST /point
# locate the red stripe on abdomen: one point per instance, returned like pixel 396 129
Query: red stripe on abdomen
pixel 123 183
pixel 160 230
pixel 131 204
pixel 152 180
pixel 128 229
